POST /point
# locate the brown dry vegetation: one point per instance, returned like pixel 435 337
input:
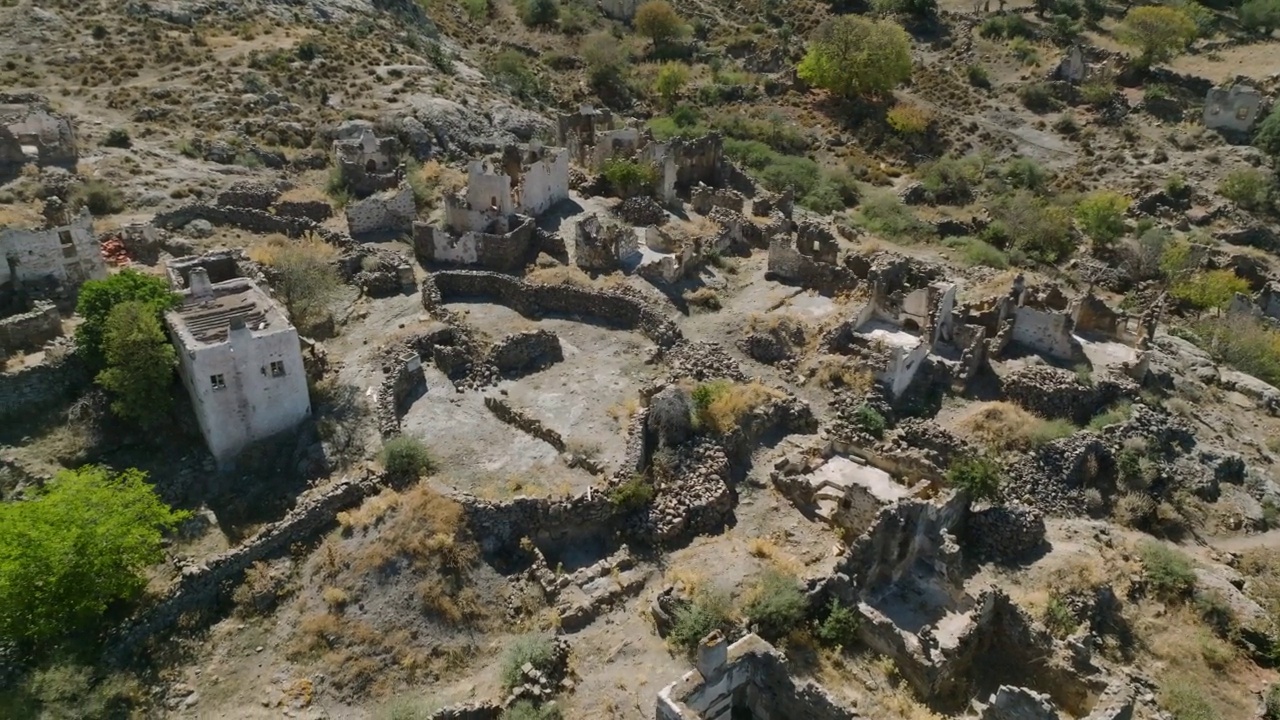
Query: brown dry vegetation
pixel 1003 426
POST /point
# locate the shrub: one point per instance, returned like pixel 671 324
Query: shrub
pixel 1025 51
pixel 1250 188
pixel 1186 702
pixel 1032 225
pixel 1158 33
pixel 1168 572
pixel 629 178
pixel 1247 344
pixel 118 138
pixel 606 61
pixel 787 171
pixel 1267 138
pixel 840 627
pixel 672 77
pixel 476 9
pixel 98 298
pixel 869 420
pixel 915 8
pixel 1134 509
pixel 1037 97
pixel 1271 703
pixel 951 180
pixel 658 21
pixel 306 277
pixel 540 13
pixel 1058 617
pixel 526 710
pixel 1003 426
pixel 633 494
pixel 978 76
pixel 1260 16
pixel 1026 174
pixel 139 364
pixel 775 605
pixel 979 476
pixel 909 119
pixel 74 548
pixel 884 214
pixel 511 69
pixel 1097 91
pixel 406 458
pixel 706 612
pixel 975 252
pixel 719 406
pixel 534 650
pixel 1117 413
pixel 1006 26
pixel 853 56
pixel 1101 216
pixel 101 197
pixel 1209 289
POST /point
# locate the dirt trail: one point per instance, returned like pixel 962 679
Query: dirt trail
pixel 1240 543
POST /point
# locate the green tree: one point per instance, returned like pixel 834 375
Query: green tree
pixel 74 549
pixel 305 276
pixel 980 476
pixel 540 13
pixel 628 178
pixel 140 364
pixel 659 22
pixel 1209 289
pixel 1250 188
pixel 852 56
pixel 672 77
pixel 98 297
pixel 1101 216
pixel 1267 139
pixel 1260 16
pixel 1158 33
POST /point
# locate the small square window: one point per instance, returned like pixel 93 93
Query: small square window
pixel 277 369
pixel 218 382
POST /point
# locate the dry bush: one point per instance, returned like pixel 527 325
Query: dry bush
pixel 370 512
pixel 1003 426
pixel 1134 510
pixel 427 530
pixel 560 275
pixel 304 193
pixel 704 298
pixel 336 598
pixel 836 371
pixel 623 412
pixel 722 408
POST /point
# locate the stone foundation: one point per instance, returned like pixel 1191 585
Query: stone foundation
pixel 30 330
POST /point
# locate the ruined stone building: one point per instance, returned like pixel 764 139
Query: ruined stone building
pixel 1234 109
pixel 241 362
pixel 490 223
pixel 368 163
pixel 50 262
pixel 31 132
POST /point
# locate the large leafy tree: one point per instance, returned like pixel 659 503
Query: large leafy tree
pixel 140 364
pixel 1158 33
pixel 659 22
pixel 853 56
pixel 77 547
pixel 98 297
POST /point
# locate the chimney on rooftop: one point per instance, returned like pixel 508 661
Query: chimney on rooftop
pixel 201 288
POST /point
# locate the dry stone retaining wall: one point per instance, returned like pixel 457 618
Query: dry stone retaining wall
pixel 519 420
pixel 252 220
pixel 30 330
pixel 28 391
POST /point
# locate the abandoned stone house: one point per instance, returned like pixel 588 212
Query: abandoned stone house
pixel 31 132
pixel 50 263
pixel 241 362
pixel 490 223
pixel 368 163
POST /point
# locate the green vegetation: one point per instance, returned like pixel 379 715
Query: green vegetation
pixel 1250 188
pixel 1168 572
pixel 921 9
pixel 535 650
pixel 884 214
pixel 75 549
pixel 1260 16
pixel 406 459
pixel 1271 702
pixel 510 69
pixel 629 178
pixel 1158 33
pixel 1209 289
pixel 852 56
pixel 840 627
pixel 775 605
pixel 1117 413
pixel 1037 97
pixel 671 79
pixel 1058 617
pixel 979 476
pixel 99 297
pixel 869 420
pixel 707 612
pixel 1006 26
pixel 659 22
pixel 633 494
pixel 975 252
pixel 951 180
pixel 101 197
pixel 139 364
pixel 1101 216
pixel 1025 174
pixel 1186 701
pixel 539 13
pixel 306 277
pixel 909 119
pixel 476 9
pixel 1031 225
pixel 1247 344
pixel 117 138
pixel 526 710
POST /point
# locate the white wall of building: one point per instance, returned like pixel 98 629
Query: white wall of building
pixel 42 253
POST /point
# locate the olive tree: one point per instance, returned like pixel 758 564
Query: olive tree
pixel 852 56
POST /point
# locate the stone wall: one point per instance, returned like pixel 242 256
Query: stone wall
pixel 30 330
pixel 198 588
pixel 527 350
pixel 249 195
pixel 1055 393
pixel 505 250
pixel 613 307
pixel 1045 332
pixel 315 210
pixel 391 211
pixel 502 410
pixel 256 221
pixel 401 385
pixel 28 391
pixel 788 264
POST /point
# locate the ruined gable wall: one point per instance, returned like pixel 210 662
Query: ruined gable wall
pixel 1047 333
pixel 545 183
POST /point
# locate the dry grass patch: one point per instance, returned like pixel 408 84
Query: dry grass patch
pixel 1003 426
pixel 721 405
pixel 838 371
pixel 426 530
pixel 273 250
pixel 304 194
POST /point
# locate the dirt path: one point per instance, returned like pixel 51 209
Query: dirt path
pixel 1241 543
